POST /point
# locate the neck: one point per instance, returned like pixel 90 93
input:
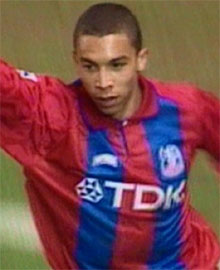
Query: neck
pixel 132 104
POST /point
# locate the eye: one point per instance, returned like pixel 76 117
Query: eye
pixel 89 67
pixel 118 66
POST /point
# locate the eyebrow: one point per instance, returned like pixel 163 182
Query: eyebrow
pixel 120 58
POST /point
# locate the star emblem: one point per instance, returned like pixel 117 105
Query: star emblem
pixel 90 189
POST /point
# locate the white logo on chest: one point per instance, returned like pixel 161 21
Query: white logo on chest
pixel 91 190
pixel 105 159
pixel 171 161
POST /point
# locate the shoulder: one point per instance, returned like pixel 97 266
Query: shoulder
pixel 56 99
pixel 55 93
pixel 184 94
pixel 176 91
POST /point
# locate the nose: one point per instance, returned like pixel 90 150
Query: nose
pixel 103 80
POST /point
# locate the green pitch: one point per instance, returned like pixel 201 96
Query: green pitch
pixel 183 39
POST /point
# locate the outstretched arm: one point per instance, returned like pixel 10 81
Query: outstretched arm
pixel 31 106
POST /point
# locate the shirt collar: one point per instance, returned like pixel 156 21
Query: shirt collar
pixel 95 120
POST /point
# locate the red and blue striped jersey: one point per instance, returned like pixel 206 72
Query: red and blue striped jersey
pixel 108 194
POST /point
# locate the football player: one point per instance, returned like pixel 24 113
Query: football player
pixel 107 157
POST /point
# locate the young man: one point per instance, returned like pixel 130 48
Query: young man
pixel 107 157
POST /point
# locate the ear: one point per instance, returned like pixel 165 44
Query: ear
pixel 142 59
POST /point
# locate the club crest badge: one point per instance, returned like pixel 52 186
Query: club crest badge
pixel 171 161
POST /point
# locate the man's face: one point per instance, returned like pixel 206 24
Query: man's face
pixel 108 67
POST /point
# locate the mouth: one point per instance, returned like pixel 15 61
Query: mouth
pixel 106 102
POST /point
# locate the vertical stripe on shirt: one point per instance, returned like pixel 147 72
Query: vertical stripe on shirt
pixel 162 131
pixel 98 219
pixel 135 228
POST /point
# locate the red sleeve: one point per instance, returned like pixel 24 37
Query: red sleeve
pixel 210 125
pixel 33 113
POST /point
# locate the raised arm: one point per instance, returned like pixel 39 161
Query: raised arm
pixel 31 106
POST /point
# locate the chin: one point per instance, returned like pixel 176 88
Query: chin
pixel 108 112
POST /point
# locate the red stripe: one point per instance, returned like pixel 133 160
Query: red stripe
pixel 54 203
pixel 135 229
pixel 80 162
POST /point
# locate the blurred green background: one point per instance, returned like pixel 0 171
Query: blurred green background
pixel 183 39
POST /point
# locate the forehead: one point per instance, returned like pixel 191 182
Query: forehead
pixel 104 48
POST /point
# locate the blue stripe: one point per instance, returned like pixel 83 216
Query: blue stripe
pixel 98 220
pixel 163 130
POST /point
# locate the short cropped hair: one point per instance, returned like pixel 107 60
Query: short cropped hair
pixel 108 18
